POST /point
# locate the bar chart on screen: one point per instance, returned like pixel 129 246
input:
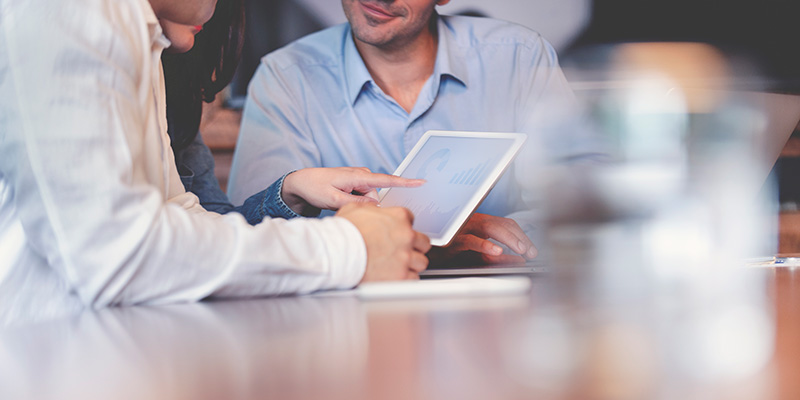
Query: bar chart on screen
pixel 459 169
pixel 472 176
pixel 430 217
pixel 450 183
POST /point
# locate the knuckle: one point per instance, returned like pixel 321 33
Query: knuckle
pixel 407 214
pixel 338 199
pixel 404 258
pixel 396 212
pixel 425 241
pixel 410 235
pixel 420 262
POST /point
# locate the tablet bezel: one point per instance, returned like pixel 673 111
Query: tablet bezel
pixel 482 190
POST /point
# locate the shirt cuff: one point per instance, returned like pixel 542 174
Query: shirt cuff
pixel 348 253
pixel 273 204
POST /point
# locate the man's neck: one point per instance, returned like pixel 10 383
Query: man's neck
pixel 401 71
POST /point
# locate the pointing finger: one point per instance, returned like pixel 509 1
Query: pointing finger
pixel 371 181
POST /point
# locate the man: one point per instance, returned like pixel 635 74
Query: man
pixel 363 93
pixel 92 209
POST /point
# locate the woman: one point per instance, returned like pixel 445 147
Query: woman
pixel 92 209
pixel 200 63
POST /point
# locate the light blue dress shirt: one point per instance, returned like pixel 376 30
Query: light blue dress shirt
pixel 313 103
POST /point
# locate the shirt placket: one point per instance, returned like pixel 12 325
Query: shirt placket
pixel 159 104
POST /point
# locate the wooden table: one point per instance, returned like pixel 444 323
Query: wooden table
pixel 784 291
pixel 789 233
pixel 516 347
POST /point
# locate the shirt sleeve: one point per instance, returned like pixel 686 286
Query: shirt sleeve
pixel 90 173
pixel 196 168
pixel 267 203
pixel 274 137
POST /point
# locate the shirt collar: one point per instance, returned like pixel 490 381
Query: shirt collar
pixel 448 63
pixel 356 73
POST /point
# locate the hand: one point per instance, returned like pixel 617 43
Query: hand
pixel 308 190
pixel 394 250
pixel 471 244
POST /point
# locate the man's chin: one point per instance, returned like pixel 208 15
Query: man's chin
pixel 374 37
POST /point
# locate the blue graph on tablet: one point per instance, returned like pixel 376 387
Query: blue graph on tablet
pixel 458 169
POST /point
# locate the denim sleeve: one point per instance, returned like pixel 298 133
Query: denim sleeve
pixel 196 168
pixel 267 203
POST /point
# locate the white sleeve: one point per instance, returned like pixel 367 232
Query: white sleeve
pixel 81 151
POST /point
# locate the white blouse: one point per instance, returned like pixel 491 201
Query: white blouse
pixel 92 210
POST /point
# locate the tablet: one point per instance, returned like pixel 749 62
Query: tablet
pixel 460 168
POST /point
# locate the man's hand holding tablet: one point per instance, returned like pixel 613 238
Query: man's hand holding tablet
pixel 460 169
pixel 471 246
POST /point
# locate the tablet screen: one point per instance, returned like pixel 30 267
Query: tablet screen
pixel 459 169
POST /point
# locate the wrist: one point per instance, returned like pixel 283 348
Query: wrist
pixel 290 194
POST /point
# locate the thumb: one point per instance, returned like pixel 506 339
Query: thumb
pixel 373 194
pixel 351 198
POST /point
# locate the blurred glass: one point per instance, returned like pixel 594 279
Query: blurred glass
pixel 649 250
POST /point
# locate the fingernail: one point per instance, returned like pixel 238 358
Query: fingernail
pixel 531 253
pixel 521 247
pixel 497 250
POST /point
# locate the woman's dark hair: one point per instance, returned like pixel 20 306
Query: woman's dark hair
pixel 202 72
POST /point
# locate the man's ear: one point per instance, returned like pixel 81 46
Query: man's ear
pixel 442 2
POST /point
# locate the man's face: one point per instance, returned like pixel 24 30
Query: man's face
pixel 389 23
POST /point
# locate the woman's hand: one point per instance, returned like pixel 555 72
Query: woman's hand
pixel 308 190
pixel 394 250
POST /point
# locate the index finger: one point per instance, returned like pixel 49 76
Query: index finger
pixel 372 180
